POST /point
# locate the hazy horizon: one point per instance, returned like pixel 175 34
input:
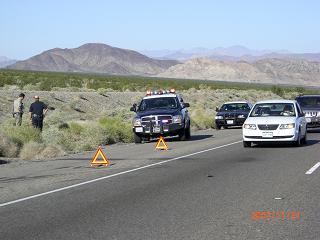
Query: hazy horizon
pixel 31 27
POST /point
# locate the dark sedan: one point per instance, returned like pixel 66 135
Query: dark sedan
pixel 232 114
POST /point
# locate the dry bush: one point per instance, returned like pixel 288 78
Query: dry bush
pixel 31 150
pixel 8 148
pixel 51 152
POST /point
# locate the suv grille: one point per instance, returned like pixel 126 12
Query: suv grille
pixel 268 126
pixel 148 119
pixel 166 119
pixel 311 114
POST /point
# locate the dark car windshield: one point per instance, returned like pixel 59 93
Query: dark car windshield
pixel 235 107
pixel 309 102
pixel 158 103
pixel 273 109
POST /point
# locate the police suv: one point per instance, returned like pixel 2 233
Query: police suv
pixel 161 113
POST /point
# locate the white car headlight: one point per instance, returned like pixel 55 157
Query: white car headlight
pixel 250 126
pixel 136 122
pixel 241 116
pixel 218 117
pixel 287 126
pixel 177 119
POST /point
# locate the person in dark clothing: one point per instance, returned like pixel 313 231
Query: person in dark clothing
pixel 37 112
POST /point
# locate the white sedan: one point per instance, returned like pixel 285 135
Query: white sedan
pixel 275 121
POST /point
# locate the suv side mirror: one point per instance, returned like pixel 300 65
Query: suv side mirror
pixel 217 109
pixel 186 105
pixel 133 108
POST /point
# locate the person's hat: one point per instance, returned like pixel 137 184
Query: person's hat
pixel 21 95
pixel 36 97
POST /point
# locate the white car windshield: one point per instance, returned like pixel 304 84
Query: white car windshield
pixel 274 110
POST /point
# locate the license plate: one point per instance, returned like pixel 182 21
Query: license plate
pixel 139 129
pixel 229 121
pixel 267 134
pixel 156 129
pixel 308 120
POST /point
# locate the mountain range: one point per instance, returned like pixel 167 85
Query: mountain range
pixel 97 58
pixel 226 64
pixel 233 53
pixel 272 71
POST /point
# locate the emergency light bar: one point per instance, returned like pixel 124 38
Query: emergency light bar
pixel 160 92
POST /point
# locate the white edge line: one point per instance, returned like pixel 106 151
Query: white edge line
pixel 311 170
pixel 113 175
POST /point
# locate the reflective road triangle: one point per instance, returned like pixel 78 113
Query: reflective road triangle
pixel 98 154
pixel 161 144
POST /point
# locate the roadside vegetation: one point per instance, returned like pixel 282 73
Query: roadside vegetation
pixel 87 111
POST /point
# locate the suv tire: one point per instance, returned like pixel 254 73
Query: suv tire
pixel 137 139
pixel 246 144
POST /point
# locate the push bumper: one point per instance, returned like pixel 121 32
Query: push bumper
pixel 157 130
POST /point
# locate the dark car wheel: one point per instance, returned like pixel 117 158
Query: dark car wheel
pixel 298 143
pixel 137 139
pixel 246 144
pixel 188 132
pixel 218 127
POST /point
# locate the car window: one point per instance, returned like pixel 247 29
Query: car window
pixel 273 109
pixel 156 103
pixel 235 107
pixel 309 101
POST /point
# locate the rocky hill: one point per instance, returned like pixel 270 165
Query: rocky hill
pixel 95 57
pixel 273 71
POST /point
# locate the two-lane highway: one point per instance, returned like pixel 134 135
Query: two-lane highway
pixel 207 194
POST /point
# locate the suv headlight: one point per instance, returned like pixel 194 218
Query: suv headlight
pixel 241 116
pixel 136 122
pixel 287 126
pixel 250 126
pixel 218 117
pixel 177 119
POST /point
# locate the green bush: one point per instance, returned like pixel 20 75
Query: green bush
pixel 21 135
pixel 201 120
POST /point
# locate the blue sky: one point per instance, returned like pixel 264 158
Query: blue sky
pixel 30 27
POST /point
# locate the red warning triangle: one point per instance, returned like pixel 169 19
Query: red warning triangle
pixel 161 144
pixel 95 160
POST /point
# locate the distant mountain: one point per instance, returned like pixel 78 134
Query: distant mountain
pixel 95 57
pixel 273 71
pixel 4 61
pixel 232 53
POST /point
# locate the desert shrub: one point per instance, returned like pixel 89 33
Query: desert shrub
pixel 8 148
pixel 51 152
pixel 21 135
pixel 278 91
pixel 116 129
pixel 201 120
pixel 31 150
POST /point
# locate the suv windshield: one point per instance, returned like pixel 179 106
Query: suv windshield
pixel 309 101
pixel 156 103
pixel 235 107
pixel 273 109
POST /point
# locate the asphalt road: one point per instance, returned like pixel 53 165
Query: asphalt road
pixel 210 194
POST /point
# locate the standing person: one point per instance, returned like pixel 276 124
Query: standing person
pixel 37 112
pixel 18 109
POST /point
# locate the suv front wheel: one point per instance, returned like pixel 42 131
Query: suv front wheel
pixel 137 139
pixel 185 133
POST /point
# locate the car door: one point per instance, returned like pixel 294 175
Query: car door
pixel 301 120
